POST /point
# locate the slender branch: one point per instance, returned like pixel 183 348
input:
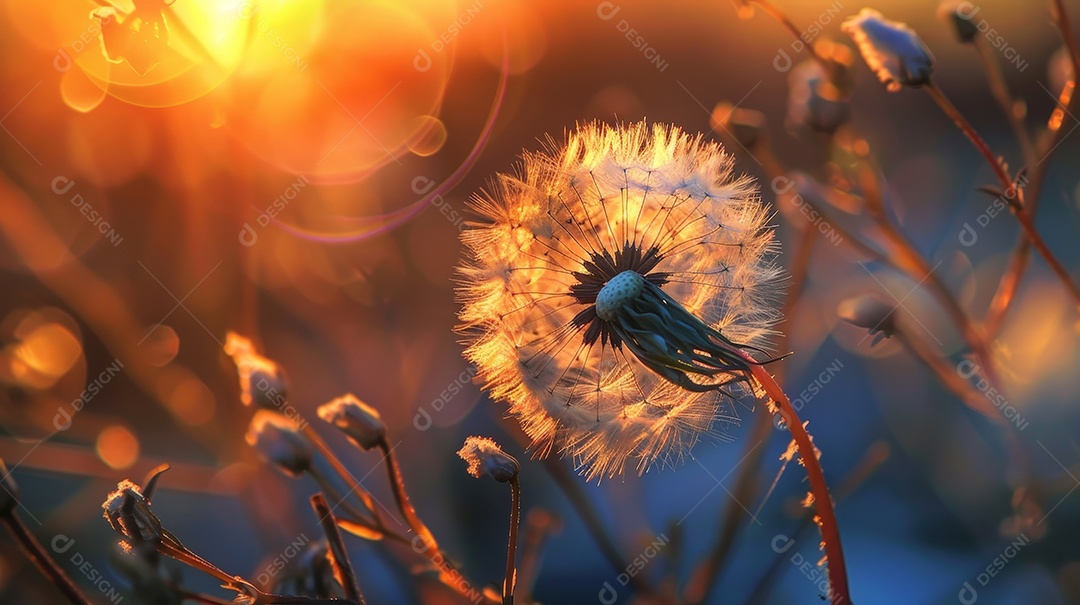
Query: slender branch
pixel 511 547
pixel 350 481
pixel 1014 194
pixel 339 556
pixel 777 14
pixel 839 593
pixel 40 557
pixel 1010 280
pixel 920 269
pixel 1000 90
pixel 428 546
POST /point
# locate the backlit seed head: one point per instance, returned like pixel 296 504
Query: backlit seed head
pixel 551 292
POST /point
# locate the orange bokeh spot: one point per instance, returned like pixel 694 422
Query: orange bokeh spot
pixel 117 447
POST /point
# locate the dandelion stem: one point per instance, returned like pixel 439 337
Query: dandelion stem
pixel 37 554
pixel 511 549
pixel 401 497
pixel 830 531
pixel 875 456
pixel 1016 199
pixel 339 555
pixel 701 587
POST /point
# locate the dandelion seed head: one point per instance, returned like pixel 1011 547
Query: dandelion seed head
pixel 567 242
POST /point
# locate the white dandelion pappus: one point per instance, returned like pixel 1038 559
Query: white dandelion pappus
pixel 604 274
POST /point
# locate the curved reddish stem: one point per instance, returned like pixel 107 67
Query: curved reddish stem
pixel 830 531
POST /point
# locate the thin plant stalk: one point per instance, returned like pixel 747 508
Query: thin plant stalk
pixel 1016 201
pixel 909 256
pixel 339 556
pixel 777 14
pixel 511 546
pixel 40 557
pixel 1000 91
pixel 839 594
pixel 430 547
pixel 1010 281
pixel 350 481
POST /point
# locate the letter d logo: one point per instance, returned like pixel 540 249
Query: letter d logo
pixel 968 594
pixel 608 594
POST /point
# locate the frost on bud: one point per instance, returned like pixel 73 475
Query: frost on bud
pixel 358 420
pixel 485 457
pixel 869 312
pixel 9 491
pixel 279 442
pixel 128 512
pixel 262 381
pixel 959 15
pixel 893 50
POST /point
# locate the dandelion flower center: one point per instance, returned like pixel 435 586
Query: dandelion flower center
pixel 622 289
pixel 605 290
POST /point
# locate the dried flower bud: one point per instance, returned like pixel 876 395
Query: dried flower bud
pixel 9 491
pixel 358 420
pixel 279 442
pixel 814 101
pixel 870 312
pixel 959 15
pixel 893 50
pixel 262 381
pixel 746 126
pixel 129 514
pixel 484 456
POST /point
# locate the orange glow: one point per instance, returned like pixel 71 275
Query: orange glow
pixel 192 402
pixel 45 350
pixel 117 447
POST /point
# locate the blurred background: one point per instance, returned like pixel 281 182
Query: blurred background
pixel 297 172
